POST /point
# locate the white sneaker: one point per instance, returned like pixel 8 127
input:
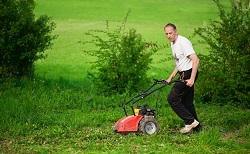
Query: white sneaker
pixel 188 128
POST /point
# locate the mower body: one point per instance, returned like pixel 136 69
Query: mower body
pixel 143 119
pixel 128 124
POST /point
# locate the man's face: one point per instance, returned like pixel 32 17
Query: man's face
pixel 171 33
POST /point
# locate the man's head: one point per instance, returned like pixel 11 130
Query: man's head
pixel 171 32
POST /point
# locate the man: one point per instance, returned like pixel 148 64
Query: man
pixel 182 94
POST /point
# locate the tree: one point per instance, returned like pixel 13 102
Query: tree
pixel 225 70
pixel 23 37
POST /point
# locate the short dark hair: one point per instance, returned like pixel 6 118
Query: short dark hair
pixel 171 25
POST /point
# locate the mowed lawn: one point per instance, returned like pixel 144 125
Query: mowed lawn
pixel 75 17
pixel 61 112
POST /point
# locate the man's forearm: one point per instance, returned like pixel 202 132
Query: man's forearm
pixel 194 69
pixel 173 74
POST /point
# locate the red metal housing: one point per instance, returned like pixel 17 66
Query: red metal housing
pixel 127 124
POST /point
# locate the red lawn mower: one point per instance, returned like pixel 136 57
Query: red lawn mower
pixel 143 118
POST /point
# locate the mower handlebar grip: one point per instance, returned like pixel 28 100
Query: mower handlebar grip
pixel 156 81
pixel 159 81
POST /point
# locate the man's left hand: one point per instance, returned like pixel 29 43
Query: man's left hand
pixel 189 82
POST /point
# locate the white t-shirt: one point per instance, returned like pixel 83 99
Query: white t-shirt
pixel 181 49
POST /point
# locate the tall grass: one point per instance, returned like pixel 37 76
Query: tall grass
pixel 45 116
pixel 42 104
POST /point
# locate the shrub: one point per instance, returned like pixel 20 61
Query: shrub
pixel 224 76
pixel 123 59
pixel 23 37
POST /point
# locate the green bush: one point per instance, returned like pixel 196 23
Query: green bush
pixel 224 76
pixel 123 59
pixel 23 37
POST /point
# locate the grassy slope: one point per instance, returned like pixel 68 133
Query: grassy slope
pixel 61 116
pixel 75 17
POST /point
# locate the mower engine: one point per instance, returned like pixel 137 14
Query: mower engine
pixel 144 111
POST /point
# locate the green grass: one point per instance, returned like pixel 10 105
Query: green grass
pixel 75 17
pixel 61 112
pixel 57 117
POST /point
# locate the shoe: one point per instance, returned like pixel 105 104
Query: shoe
pixel 197 128
pixel 188 128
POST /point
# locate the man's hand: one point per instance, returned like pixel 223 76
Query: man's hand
pixel 189 82
pixel 168 80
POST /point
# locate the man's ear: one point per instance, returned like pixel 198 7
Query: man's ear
pixel 176 32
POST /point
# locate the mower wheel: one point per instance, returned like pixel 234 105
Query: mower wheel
pixel 148 125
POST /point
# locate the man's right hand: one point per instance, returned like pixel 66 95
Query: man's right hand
pixel 168 80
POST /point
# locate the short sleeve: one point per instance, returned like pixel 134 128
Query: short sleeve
pixel 187 47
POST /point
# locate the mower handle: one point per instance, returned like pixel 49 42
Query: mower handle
pixel 156 81
pixel 146 92
pixel 159 81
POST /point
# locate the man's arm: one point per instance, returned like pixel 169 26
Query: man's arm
pixel 172 75
pixel 195 61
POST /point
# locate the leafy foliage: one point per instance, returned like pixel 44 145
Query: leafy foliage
pixel 23 38
pixel 225 70
pixel 123 59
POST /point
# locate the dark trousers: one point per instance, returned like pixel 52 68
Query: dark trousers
pixel 181 99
